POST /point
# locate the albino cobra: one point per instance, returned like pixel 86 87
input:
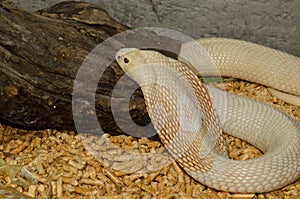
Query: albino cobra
pixel 190 117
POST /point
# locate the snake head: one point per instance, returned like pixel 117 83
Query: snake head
pixel 138 64
pixel 126 57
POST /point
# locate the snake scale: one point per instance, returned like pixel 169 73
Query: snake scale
pixel 190 116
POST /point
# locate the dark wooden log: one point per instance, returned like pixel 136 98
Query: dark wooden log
pixel 40 56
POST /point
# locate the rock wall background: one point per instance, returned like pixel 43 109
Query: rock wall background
pixel 274 23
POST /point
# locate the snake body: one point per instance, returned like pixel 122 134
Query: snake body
pixel 190 116
pixel 277 70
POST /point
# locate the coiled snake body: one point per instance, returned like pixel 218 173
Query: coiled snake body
pixel 190 116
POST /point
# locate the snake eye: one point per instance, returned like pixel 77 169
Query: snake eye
pixel 126 60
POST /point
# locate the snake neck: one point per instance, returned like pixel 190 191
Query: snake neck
pixel 185 120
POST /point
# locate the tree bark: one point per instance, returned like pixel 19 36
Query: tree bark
pixel 41 54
